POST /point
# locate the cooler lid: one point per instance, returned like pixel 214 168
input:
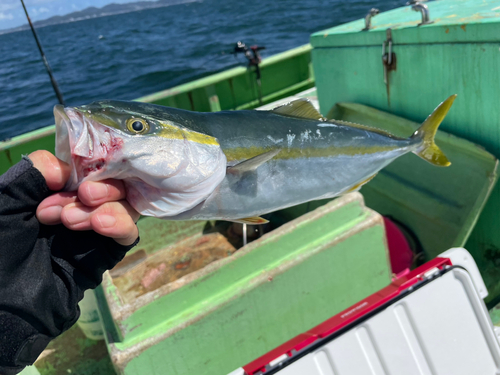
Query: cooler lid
pixel 430 321
pixel 452 21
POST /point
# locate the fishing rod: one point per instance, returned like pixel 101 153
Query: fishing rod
pixel 47 66
pixel 253 56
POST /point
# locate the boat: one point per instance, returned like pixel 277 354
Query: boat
pixel 317 259
pixel 282 75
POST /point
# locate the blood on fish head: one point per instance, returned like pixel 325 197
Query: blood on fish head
pixel 167 168
pixel 88 146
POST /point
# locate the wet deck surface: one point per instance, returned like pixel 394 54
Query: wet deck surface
pixel 143 274
pixel 73 353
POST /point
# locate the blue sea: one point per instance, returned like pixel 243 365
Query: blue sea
pixel 129 55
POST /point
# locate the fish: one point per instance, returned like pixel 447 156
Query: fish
pixel 229 165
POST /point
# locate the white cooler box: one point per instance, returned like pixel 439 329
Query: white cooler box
pixel 432 321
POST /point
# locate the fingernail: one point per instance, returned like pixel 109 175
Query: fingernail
pixel 75 215
pixel 106 221
pixel 50 215
pixel 97 190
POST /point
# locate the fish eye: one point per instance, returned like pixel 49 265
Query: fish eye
pixel 137 125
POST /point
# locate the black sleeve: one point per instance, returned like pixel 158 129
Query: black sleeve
pixel 44 270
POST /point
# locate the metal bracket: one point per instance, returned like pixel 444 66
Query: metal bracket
pixel 388 57
pixel 368 18
pixel 417 6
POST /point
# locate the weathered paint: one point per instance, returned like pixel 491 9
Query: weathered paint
pixel 432 63
pixel 279 285
pixel 454 21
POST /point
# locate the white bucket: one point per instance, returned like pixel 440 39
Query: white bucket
pixel 90 321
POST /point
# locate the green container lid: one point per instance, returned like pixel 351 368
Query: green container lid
pixel 452 21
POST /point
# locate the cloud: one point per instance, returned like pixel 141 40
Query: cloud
pixel 9 5
pixel 7 16
pixel 43 10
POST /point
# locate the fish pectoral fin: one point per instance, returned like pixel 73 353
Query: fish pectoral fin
pixel 301 108
pixel 359 184
pixel 256 220
pixel 253 163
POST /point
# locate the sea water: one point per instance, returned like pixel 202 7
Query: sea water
pixel 129 55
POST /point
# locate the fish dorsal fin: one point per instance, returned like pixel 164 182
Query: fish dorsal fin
pixel 301 108
pixel 364 127
pixel 253 163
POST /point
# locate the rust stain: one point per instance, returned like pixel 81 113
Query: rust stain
pixel 167 266
pixel 463 27
pixel 129 262
pixel 202 240
pixel 9 158
pixel 447 30
pixel 190 96
pixel 182 264
pixel 389 69
pixel 325 35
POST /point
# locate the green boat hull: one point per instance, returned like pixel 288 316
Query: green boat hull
pixel 282 75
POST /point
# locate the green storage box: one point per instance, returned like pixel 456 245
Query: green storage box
pixel 238 308
pixel 458 53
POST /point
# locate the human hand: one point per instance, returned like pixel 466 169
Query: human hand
pixel 98 206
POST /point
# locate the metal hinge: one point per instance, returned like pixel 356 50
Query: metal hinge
pixel 388 57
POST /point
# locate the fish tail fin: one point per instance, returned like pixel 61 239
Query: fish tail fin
pixel 428 150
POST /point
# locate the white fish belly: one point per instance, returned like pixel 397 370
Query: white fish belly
pixel 283 183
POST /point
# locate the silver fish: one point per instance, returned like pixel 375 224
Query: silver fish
pixel 230 165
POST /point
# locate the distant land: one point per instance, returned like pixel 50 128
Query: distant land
pixel 93 12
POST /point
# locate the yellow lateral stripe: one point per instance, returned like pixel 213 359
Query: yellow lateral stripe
pixel 173 132
pixel 295 153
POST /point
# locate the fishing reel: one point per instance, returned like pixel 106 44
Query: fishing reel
pixel 252 54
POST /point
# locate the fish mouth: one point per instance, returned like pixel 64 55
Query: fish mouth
pixel 82 143
pixel 63 126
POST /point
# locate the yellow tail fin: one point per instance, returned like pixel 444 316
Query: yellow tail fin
pixel 429 151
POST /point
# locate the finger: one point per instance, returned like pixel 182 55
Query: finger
pixel 120 227
pixel 112 219
pixel 49 210
pixel 93 193
pixel 76 216
pixel 55 171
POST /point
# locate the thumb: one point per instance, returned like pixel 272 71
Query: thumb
pixel 55 171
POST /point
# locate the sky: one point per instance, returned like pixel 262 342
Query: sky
pixel 12 14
